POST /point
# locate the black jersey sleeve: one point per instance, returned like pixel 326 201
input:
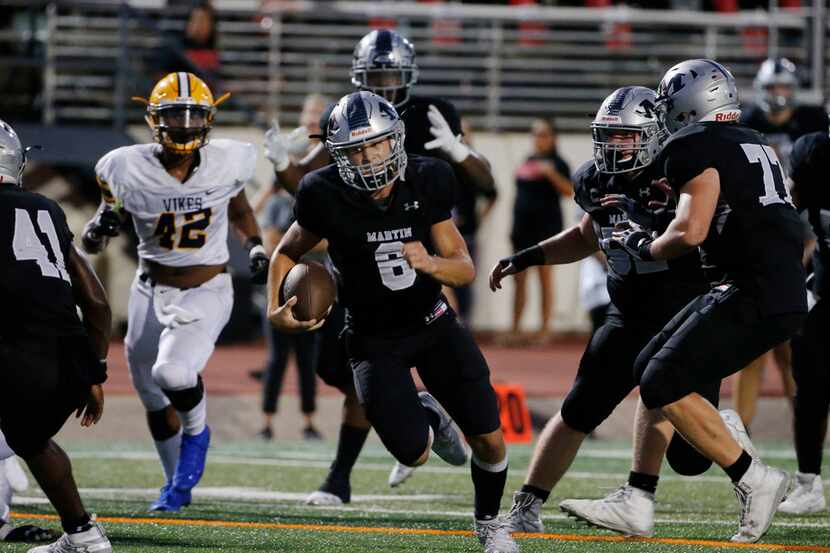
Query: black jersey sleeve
pixel 441 187
pixel 686 155
pixel 309 209
pixel 65 235
pixel 583 180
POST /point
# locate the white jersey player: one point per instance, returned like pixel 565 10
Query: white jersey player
pixel 181 192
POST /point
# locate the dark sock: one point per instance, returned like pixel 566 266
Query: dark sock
pixel 642 481
pixel 77 526
pixel 349 445
pixel 736 470
pixel 489 488
pixel 810 426
pixel 536 492
pixel 433 419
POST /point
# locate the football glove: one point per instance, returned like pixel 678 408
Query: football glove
pixel 634 240
pixel 107 223
pixel 279 146
pixel 257 260
pixel 445 140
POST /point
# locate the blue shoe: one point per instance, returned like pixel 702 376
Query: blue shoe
pixel 171 499
pixel 192 458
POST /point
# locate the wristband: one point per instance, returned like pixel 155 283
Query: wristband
pixel 529 257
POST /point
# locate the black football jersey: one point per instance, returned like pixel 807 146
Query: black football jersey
pixel 382 293
pixel 805 119
pixel 35 287
pixel 639 289
pixel 756 237
pixel 810 170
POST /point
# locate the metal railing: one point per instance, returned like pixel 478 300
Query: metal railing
pixel 501 66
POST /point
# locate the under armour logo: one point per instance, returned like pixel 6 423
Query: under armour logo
pixel 645 192
pixel 411 206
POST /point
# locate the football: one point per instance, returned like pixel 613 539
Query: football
pixel 314 287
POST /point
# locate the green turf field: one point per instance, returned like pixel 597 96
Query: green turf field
pixel 251 500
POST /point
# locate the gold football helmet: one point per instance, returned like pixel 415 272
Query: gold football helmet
pixel 180 112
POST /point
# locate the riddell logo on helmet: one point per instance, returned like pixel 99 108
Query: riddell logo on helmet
pixel 727 116
pixel 360 132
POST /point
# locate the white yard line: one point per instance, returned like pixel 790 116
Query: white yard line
pixel 261 495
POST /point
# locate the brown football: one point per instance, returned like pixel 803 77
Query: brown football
pixel 314 287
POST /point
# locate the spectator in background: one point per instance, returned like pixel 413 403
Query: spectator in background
pixel 777 114
pixel 279 215
pixel 196 51
pixel 540 182
pixel 472 205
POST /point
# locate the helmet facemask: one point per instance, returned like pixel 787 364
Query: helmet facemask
pixel 181 127
pixel 621 149
pixel 777 97
pixel 391 82
pixel 376 172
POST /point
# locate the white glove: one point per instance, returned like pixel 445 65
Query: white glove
pixel 278 146
pixel 445 140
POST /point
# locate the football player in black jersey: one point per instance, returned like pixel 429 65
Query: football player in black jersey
pixel 777 114
pixel 386 216
pixel 52 364
pixel 810 167
pixel 383 63
pixel 734 207
pixel 621 186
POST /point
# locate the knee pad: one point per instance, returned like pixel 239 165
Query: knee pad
pixel 408 451
pixel 685 459
pixel 656 389
pixel 174 376
pixel 187 399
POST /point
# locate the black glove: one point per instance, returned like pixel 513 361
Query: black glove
pixel 257 260
pixel 635 241
pixel 107 224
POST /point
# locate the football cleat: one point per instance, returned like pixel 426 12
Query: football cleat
pixel 448 442
pixel 93 540
pixel 191 464
pixel 629 511
pixel 760 492
pixel 495 536
pixel 806 497
pixel 400 474
pixel 27 533
pixel 735 425
pixel 524 515
pixel 320 498
pixel 171 499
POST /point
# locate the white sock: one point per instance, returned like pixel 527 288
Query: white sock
pixel 168 451
pixel 195 420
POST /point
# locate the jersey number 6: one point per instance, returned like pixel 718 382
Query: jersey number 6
pixel 193 235
pixel 395 271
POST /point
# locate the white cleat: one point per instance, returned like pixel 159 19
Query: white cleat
pixel 495 536
pixel 323 499
pixel 400 474
pixel 93 540
pixel 735 425
pixel 760 492
pixel 629 511
pixel 807 497
pixel 525 514
pixel 449 442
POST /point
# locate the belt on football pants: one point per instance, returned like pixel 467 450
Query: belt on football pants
pixel 146 278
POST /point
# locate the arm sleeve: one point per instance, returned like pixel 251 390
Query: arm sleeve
pixel 308 210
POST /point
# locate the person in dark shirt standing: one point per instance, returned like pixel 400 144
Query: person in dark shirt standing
pixel 540 182
pixel 51 363
pixel 810 167
pixel 387 218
